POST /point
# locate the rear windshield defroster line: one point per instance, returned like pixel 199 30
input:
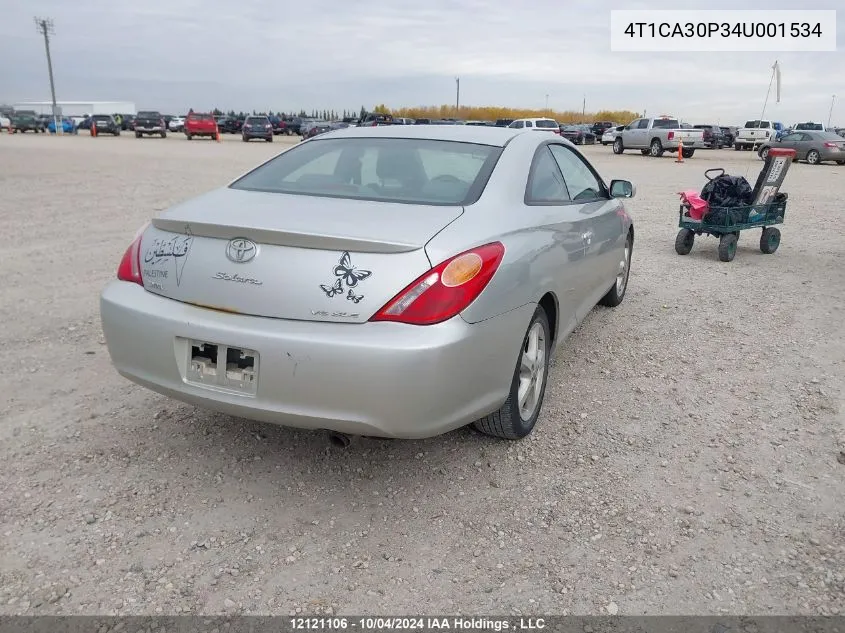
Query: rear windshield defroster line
pixel 411 171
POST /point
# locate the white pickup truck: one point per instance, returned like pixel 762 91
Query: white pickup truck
pixel 753 134
pixel 655 136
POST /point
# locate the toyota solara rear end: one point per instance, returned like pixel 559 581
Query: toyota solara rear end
pixel 302 294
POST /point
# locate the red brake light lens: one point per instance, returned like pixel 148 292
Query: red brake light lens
pixel 831 144
pixel 445 290
pixel 130 266
pixel 670 136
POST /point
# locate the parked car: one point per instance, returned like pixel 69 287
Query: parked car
pixel 578 134
pixel 600 127
pixel 840 131
pixel 655 136
pixel 127 122
pixel 106 124
pixel 729 134
pixel 339 125
pixel 5 122
pixel 264 308
pixel 25 123
pixel 753 134
pixel 376 118
pixel 293 125
pixel 320 127
pixel 813 146
pixel 306 126
pixel 229 125
pixel 177 124
pixel 541 125
pixel 808 127
pixel 610 134
pixel 422 122
pixel 278 124
pixel 712 136
pixel 200 124
pixel 257 127
pixel 403 121
pixel 149 123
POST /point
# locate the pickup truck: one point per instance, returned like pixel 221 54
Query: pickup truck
pixel 149 122
pixel 657 135
pixel 754 133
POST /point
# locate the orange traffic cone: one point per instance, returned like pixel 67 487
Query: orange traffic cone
pixel 93 128
pixel 217 132
pixel 680 158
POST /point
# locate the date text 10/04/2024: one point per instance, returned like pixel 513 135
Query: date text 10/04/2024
pixel 724 29
pixel 417 624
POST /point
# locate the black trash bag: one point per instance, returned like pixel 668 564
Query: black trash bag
pixel 724 193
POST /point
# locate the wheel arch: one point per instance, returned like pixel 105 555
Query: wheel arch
pixel 549 304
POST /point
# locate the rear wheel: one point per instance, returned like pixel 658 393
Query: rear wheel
pixel 518 415
pixel 813 157
pixel 618 148
pixel 616 293
pixel 188 136
pixel 727 247
pixel 164 135
pixel 687 153
pixel 684 241
pixel 764 152
pixel 137 135
pixel 656 148
pixel 769 240
pixel 270 140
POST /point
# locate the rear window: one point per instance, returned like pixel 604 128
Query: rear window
pixel 201 117
pixel 666 124
pixel 148 115
pixel 757 124
pixel 414 171
pixel 546 123
pixel 101 117
pixel 257 120
pixel 810 126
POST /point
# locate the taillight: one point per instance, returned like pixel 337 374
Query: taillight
pixel 446 289
pixel 670 136
pixel 129 268
pixel 831 144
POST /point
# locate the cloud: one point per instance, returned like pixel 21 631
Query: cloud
pixel 253 54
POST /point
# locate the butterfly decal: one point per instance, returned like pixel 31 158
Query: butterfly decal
pixel 348 273
pixel 332 291
pixel 353 297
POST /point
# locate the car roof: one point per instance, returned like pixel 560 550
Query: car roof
pixel 481 134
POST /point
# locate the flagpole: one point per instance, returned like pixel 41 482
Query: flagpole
pixel 775 70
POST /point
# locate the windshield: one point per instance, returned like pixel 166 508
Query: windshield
pixel 417 171
pixel 666 124
pixel 756 124
pixel 810 126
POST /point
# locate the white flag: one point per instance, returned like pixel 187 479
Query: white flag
pixel 776 68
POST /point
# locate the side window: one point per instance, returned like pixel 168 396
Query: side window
pixel 545 182
pixel 805 137
pixel 633 125
pixel 643 124
pixel 518 124
pixel 529 124
pixel 581 183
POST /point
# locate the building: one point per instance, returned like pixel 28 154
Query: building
pixel 79 108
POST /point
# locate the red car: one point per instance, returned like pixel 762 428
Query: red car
pixel 200 124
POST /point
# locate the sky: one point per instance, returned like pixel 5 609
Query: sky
pixel 338 54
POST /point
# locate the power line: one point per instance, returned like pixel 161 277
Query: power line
pixel 45 27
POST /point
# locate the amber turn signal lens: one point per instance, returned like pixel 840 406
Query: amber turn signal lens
pixel 461 270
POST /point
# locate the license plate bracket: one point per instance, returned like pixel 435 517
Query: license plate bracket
pixel 223 367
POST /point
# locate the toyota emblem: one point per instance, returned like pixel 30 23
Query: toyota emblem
pixel 241 250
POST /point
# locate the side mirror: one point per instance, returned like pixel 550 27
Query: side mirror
pixel 622 189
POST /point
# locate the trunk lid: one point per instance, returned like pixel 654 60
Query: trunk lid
pixel 288 256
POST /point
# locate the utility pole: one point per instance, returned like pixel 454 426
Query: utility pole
pixel 584 107
pixel 830 114
pixel 457 96
pixel 547 104
pixel 45 27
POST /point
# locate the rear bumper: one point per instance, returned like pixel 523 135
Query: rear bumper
pixel 150 130
pixel 378 379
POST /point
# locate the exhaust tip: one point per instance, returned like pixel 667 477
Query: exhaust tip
pixel 339 440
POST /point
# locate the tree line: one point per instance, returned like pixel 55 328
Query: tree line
pixel 480 113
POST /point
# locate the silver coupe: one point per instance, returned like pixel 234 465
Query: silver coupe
pixel 394 281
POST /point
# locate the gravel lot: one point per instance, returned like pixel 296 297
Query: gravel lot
pixel 687 461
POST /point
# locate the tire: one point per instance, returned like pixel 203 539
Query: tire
pixel 617 291
pixel 727 247
pixel 137 135
pixel 840 162
pixel 684 241
pixel 117 133
pixel 769 240
pixel 270 140
pixel 244 139
pixel 510 421
pixel 618 147
pixel 813 157
pixel 164 135
pixel 644 152
pixel 738 147
pixel 687 153
pixel 763 153
pixel 656 148
pixel 188 136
